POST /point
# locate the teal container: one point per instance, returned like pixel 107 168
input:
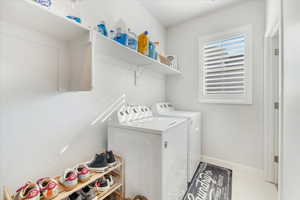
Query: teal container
pixel 152 51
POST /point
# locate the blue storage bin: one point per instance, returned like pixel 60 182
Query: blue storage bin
pixel 122 38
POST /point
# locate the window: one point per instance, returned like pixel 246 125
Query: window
pixel 226 67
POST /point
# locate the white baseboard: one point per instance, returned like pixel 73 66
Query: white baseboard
pixel 235 167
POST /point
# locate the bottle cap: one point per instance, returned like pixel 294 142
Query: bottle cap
pixel 146 33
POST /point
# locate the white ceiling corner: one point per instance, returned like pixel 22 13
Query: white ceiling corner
pixel 171 12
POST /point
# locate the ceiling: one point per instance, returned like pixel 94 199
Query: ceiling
pixel 171 12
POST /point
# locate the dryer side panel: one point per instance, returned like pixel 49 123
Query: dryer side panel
pixel 195 144
pixel 142 156
pixel 175 162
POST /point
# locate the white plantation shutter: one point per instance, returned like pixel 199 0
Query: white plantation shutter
pixel 226 68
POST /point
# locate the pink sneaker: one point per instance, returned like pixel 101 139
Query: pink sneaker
pixel 83 172
pixel 48 187
pixel 30 191
pixel 69 179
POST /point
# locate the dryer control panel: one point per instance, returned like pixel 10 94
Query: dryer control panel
pixel 130 113
pixel 161 108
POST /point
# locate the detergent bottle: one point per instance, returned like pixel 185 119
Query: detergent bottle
pixel 143 43
pixel 151 50
pixel 102 28
pixel 121 32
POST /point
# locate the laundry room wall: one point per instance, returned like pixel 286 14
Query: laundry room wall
pixel 231 133
pixel 290 137
pixel 43 131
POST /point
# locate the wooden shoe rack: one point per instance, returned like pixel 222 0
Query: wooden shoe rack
pixel 117 189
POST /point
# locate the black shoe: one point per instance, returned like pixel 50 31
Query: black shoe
pixel 99 163
pixel 75 196
pixel 88 192
pixel 111 158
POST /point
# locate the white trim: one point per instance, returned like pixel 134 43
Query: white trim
pixel 268 104
pixel 235 167
pixel 272 31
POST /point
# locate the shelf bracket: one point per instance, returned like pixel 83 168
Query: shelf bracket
pixel 137 73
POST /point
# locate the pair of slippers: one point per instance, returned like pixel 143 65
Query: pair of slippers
pixel 138 197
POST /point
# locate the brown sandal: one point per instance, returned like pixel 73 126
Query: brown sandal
pixel 140 197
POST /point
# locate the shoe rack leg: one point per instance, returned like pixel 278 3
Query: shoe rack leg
pixel 6 194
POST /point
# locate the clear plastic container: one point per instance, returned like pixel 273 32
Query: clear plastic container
pixel 46 3
pixel 112 34
pixel 132 40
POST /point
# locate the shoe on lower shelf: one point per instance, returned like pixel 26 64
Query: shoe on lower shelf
pixel 89 192
pixel 75 196
pixel 102 184
pixel 99 163
pixel 110 179
pixel 140 197
pixel 111 197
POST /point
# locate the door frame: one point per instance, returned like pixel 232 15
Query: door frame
pixel 269 123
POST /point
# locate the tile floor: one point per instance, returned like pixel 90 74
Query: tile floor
pixel 246 187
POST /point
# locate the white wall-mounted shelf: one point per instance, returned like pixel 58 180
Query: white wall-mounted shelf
pixel 30 14
pixel 80 41
pixel 111 48
pixel 74 37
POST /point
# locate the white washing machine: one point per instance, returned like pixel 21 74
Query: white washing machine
pixel 155 153
pixel 194 136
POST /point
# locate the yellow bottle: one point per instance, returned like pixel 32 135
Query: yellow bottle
pixel 143 44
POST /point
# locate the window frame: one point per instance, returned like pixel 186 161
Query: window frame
pixel 246 98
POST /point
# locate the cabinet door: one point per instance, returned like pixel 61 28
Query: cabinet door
pixel 174 160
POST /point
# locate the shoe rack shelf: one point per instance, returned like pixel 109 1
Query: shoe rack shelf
pixel 117 188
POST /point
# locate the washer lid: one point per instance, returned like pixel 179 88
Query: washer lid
pixel 184 114
pixel 156 125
